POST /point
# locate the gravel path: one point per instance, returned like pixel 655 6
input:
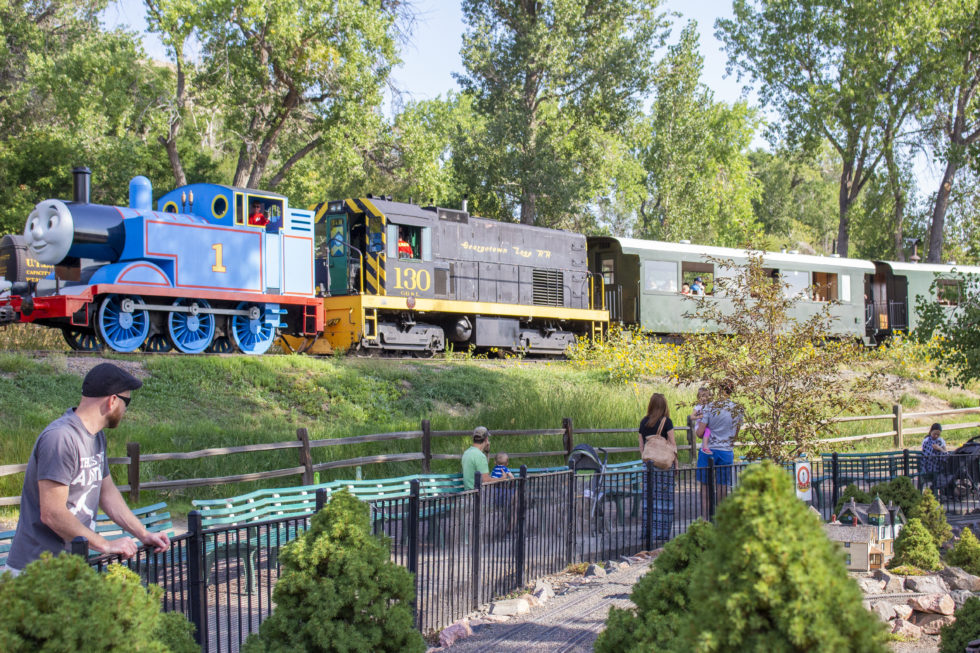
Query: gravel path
pixel 567 623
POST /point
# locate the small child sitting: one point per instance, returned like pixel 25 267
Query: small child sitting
pixel 500 470
pixel 704 398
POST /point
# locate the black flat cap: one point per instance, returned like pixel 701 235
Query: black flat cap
pixel 106 379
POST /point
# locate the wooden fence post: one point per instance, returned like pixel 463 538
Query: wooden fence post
pixel 568 436
pixel 426 446
pixel 897 426
pixel 304 455
pixel 133 470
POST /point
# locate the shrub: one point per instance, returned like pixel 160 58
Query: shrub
pixel 954 637
pixel 933 517
pixel 966 553
pixel 900 491
pixel 915 546
pixel 851 492
pixel 659 596
pixel 774 581
pixel 60 604
pixel 339 590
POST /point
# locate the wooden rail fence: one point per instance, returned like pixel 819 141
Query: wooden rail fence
pixel 306 468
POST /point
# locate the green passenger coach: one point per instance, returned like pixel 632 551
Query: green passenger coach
pixel 643 282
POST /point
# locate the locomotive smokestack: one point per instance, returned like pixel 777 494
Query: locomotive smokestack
pixel 82 180
pixel 466 201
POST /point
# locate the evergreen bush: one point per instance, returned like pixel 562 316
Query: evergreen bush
pixel 773 581
pixel 660 596
pixel 851 492
pixel 339 590
pixel 933 517
pixel 954 637
pixel 900 491
pixel 915 546
pixel 966 554
pixel 62 605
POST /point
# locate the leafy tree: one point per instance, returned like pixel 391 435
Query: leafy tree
pixel 915 546
pixel 950 313
pixel 699 181
pixel 851 73
pixel 60 604
pixel 966 553
pixel 660 596
pixel 339 590
pixel 933 517
pixel 786 371
pixel 772 581
pixel 954 637
pixel 285 74
pixel 556 83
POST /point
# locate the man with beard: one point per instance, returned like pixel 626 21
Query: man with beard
pixel 67 478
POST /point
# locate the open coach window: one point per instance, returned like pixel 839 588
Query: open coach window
pixel 659 276
pixel 699 274
pixel 825 287
pixel 949 291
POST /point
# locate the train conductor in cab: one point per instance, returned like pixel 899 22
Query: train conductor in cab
pixel 257 217
pixel 404 247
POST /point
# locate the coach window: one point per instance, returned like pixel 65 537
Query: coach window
pixel 659 276
pixel 797 282
pixel 704 273
pixel 948 292
pixel 825 287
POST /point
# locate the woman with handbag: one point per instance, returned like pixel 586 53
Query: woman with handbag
pixel 657 445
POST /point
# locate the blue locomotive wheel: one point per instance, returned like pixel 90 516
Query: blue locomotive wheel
pixel 191 332
pixel 121 326
pixel 81 339
pixel 252 334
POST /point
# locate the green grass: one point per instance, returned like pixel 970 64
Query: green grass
pixel 190 403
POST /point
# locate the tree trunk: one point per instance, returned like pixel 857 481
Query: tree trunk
pixel 170 144
pixel 844 205
pixel 527 207
pixel 899 198
pixel 936 228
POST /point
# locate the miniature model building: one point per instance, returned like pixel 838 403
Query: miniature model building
pixel 867 532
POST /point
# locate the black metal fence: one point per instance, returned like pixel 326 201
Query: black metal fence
pixel 468 548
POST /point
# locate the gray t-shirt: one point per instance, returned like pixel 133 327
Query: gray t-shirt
pixel 65 453
pixel 723 424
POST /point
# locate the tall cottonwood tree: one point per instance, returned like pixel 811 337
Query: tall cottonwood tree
pixel 956 126
pixel 852 72
pixel 699 181
pixel 285 73
pixel 554 82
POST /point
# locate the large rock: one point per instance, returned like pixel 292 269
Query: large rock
pixel 933 603
pixel 906 629
pixel 957 579
pixel 510 608
pixel 960 597
pixel 931 623
pixel 903 611
pixel 871 585
pixel 454 632
pixel 595 570
pixel 531 599
pixel 893 583
pixel 884 610
pixel 926 584
pixel 543 591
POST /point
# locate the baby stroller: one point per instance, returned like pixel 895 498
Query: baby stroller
pixel 958 476
pixel 584 458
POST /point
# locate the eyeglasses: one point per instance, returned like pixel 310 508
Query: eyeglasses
pixel 125 400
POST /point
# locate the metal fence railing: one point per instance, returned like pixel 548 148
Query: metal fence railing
pixel 467 548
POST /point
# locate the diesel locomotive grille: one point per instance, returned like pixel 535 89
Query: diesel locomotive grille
pixel 549 287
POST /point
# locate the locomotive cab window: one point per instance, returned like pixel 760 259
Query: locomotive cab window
pixel 608 269
pixel 408 242
pixel 825 287
pixel 264 212
pixel 659 276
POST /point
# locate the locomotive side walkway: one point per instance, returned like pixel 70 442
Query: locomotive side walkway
pixel 568 623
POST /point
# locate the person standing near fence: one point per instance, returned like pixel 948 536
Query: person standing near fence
pixel 657 424
pixel 67 478
pixel 934 453
pixel 722 417
pixel 475 458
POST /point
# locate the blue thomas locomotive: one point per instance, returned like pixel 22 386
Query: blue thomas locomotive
pixel 213 269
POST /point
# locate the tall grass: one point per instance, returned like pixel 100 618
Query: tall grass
pixel 31 337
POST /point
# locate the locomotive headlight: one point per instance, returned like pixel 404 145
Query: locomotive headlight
pixel 49 231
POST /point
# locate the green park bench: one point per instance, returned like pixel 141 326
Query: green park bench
pixel 155 518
